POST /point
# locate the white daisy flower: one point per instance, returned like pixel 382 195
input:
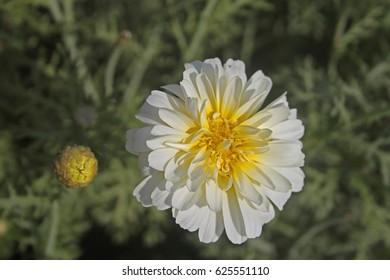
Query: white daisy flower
pixel 213 156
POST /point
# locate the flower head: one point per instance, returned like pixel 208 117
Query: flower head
pixel 213 156
pixel 75 166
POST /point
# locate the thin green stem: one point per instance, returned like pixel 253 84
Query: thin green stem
pixel 310 234
pixel 55 10
pixel 248 44
pixel 13 201
pixel 355 123
pixel 141 66
pixel 337 48
pixel 177 27
pixel 110 69
pixel 66 17
pixel 201 30
pixel 53 232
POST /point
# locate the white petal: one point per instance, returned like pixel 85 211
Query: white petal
pixel 157 100
pixel 257 119
pixel 143 191
pixel 162 100
pixel 278 113
pixel 225 182
pixel 283 154
pixel 160 199
pixel 192 218
pixel 294 175
pixel 158 159
pixel 206 91
pixel 213 195
pixel 149 114
pixel 253 146
pixel 247 109
pixel 203 114
pixel 174 212
pixel 179 146
pixel 173 186
pixel 183 199
pixel 176 119
pixel 278 198
pixel 258 75
pixel 245 186
pixel 136 140
pixel 275 180
pixel 216 64
pixel 162 130
pixel 252 218
pixel 235 68
pixel 195 184
pixel 257 84
pixel 197 171
pixel 255 172
pixel 192 108
pixel 188 89
pixel 291 129
pixel 267 211
pixel 143 163
pixel 232 217
pixel 220 91
pixel 281 100
pixel 175 172
pixel 196 65
pixel 245 131
pixel 202 155
pixel 231 97
pixel 198 166
pixel 214 71
pixel 159 142
pixel 212 227
pixel 175 89
pixel 293 114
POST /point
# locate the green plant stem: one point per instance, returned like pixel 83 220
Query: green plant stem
pixel 248 44
pixel 336 48
pixel 67 18
pixel 176 26
pixel 13 201
pixel 356 123
pixel 310 234
pixel 53 233
pixel 140 68
pixel 201 30
pixel 110 69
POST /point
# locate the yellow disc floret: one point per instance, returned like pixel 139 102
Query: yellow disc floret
pixel 75 166
pixel 223 144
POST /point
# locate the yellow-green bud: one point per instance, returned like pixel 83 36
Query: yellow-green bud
pixel 75 166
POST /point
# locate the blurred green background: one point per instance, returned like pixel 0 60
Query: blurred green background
pixel 76 72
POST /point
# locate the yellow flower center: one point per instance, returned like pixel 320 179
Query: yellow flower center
pixel 223 143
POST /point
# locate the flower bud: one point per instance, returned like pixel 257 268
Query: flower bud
pixel 75 166
pixel 124 36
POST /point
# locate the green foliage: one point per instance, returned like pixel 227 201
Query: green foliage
pixel 71 73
